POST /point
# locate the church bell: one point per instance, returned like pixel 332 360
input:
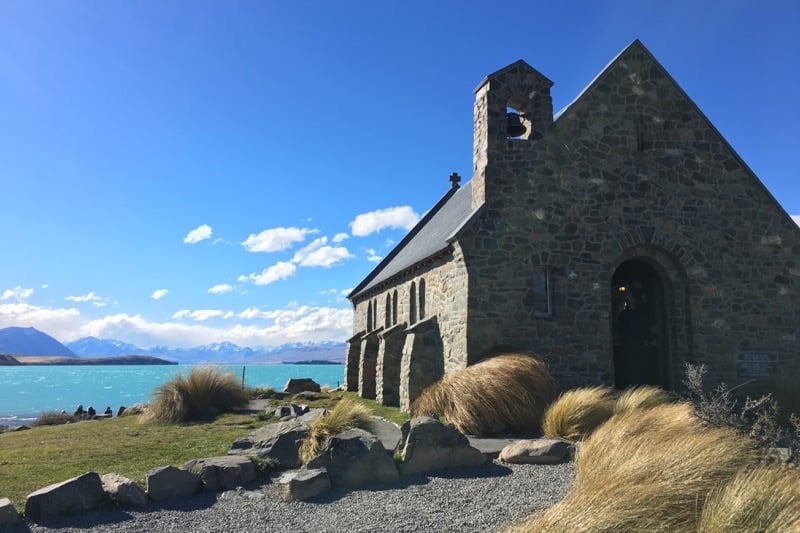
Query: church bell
pixel 514 125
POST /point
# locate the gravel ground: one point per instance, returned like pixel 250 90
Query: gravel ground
pixel 480 499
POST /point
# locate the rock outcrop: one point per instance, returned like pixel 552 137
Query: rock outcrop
pixel 76 495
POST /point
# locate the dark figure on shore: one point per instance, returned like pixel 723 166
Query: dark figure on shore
pixel 120 410
pixel 108 411
pixel 91 412
pixel 79 410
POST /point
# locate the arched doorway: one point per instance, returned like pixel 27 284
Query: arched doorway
pixel 639 326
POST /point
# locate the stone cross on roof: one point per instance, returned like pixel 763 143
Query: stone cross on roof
pixel 455 179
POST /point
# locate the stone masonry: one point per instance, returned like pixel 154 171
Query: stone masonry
pixel 627 203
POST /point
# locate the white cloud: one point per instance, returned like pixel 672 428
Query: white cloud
pixel 97 301
pixel 17 293
pixel 339 237
pixel 373 256
pixel 201 315
pixel 276 239
pixel 278 271
pixel 222 288
pixel 267 327
pixel 796 219
pixel 200 233
pixel 394 217
pixel 319 254
pixel 158 294
pixel 63 324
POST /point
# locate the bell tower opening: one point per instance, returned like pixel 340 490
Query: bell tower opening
pixel 639 326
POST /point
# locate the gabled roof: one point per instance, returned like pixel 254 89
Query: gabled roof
pixel 428 238
pixel 519 64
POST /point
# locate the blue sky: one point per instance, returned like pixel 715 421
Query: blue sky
pixel 188 172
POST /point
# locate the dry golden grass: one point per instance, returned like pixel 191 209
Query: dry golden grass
pixel 763 499
pixel 346 415
pixel 642 397
pixel 578 412
pixel 508 392
pixel 207 390
pixel 646 470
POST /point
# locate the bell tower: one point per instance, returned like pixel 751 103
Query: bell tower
pixel 513 108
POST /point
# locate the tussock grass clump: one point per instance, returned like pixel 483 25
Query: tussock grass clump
pixel 508 392
pixel 53 418
pixel 763 499
pixel 578 412
pixel 205 392
pixel 642 397
pixel 346 415
pixel 646 470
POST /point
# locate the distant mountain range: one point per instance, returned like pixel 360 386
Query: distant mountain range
pixel 30 341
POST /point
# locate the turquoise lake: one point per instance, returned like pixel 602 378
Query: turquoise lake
pixel 28 391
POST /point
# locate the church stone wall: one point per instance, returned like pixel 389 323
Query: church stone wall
pixel 631 170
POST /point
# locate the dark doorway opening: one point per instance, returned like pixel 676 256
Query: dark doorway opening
pixel 640 326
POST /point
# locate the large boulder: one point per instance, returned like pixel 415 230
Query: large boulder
pixel 426 444
pixel 167 482
pixel 537 451
pixel 124 491
pixel 355 458
pixel 225 472
pixel 77 495
pixel 295 385
pixel 304 484
pixel 8 513
pixel 278 442
pixel 387 432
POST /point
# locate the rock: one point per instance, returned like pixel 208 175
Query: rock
pixel 295 385
pixel 426 444
pixel 124 491
pixel 307 395
pixel 537 451
pixel 387 432
pixel 304 484
pixel 279 442
pixel 77 495
pixel 166 482
pixel 8 514
pixel 225 472
pixel 23 427
pixel 355 458
pixel 291 411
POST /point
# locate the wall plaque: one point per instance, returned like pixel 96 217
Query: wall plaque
pixel 756 364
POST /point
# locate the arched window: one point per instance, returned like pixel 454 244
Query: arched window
pixel 412 304
pixel 387 321
pixel 369 316
pixel 394 308
pixel 421 298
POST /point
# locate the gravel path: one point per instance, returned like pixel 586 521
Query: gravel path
pixel 479 499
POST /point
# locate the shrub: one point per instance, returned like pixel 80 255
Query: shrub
pixel 204 392
pixel 646 470
pixel 504 393
pixel 52 418
pixel 578 412
pixel 757 419
pixel 642 397
pixel 346 415
pixel 760 499
pixel 262 393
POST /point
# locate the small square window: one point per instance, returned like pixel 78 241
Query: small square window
pixel 542 303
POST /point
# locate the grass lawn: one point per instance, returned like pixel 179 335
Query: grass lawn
pixel 30 460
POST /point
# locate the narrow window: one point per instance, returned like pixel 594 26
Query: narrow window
pixel 394 308
pixel 421 299
pixel 542 303
pixel 369 316
pixel 388 319
pixel 412 304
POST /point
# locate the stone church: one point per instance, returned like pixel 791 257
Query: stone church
pixel 617 239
